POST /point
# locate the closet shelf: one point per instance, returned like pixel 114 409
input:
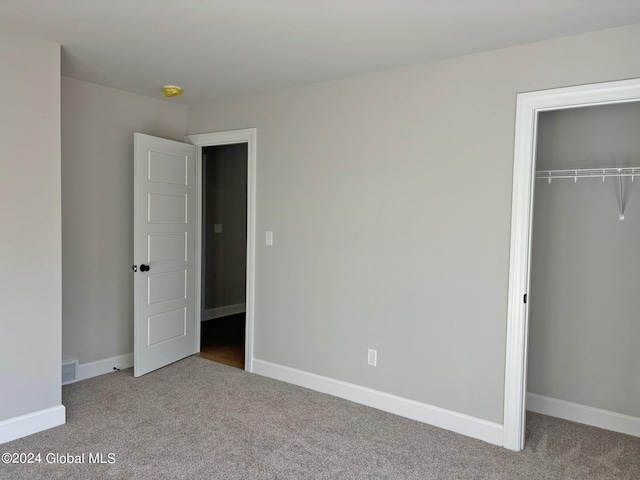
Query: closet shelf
pixel 604 172
pixel 589 172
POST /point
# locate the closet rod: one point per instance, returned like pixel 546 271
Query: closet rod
pixel 589 172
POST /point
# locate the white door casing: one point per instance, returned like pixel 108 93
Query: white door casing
pixel 248 136
pixel 527 109
pixel 165 242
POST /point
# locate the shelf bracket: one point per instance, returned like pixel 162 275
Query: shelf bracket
pixel 621 197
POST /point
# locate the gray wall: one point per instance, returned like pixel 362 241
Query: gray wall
pixel 390 197
pixel 30 246
pixel 225 255
pixel 585 275
pixel 97 212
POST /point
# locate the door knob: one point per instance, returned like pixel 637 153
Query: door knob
pixel 144 268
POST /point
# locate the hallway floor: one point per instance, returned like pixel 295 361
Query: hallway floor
pixel 222 340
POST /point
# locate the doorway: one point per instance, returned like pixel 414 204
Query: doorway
pixel 202 141
pixel 529 106
pixel 584 272
pixel 224 247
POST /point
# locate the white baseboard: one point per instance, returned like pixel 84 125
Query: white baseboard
pixel 100 367
pixel 225 311
pixel 34 422
pixel 457 422
pixel 575 412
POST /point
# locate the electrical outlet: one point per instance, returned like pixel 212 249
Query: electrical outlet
pixel 269 238
pixel 372 357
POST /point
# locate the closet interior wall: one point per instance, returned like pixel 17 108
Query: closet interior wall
pixel 585 273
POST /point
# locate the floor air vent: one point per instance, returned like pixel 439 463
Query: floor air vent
pixel 69 371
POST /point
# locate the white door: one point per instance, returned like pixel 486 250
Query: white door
pixel 164 252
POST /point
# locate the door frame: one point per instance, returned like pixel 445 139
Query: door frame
pixel 528 106
pixel 248 136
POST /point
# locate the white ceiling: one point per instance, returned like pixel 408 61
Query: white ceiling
pixel 221 48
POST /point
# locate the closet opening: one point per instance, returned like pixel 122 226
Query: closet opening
pixel 224 254
pixel 585 274
pixel 531 107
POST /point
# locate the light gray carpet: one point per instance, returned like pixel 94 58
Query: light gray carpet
pixel 197 419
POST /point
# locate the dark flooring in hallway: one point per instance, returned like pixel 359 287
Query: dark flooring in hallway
pixel 222 340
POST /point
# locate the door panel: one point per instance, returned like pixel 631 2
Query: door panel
pixel 167 168
pixel 167 247
pixel 164 240
pixel 167 326
pixel 167 208
pixel 166 286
